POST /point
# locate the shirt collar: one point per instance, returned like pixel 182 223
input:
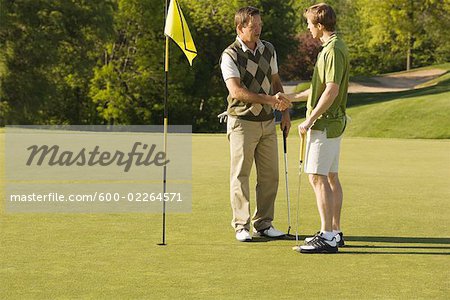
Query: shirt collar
pixel 259 46
pixel 332 38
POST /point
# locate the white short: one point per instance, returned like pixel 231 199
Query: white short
pixel 322 153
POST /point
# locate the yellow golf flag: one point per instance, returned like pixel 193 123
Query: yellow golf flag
pixel 177 29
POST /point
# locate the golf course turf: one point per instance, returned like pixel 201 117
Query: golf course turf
pixel 395 219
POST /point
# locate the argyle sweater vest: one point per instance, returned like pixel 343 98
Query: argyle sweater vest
pixel 256 76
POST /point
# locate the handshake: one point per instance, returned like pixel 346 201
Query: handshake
pixel 281 102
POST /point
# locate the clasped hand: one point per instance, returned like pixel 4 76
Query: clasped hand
pixel 281 102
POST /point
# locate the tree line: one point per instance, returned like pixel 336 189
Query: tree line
pixel 101 62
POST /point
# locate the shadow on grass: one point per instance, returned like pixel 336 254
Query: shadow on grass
pixel 396 240
pixel 287 237
pixel 392 239
pixel 396 247
pixel 370 98
pixel 393 252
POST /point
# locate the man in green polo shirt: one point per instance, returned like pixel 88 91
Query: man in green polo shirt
pixel 324 125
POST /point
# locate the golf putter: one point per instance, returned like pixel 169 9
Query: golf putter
pixel 286 179
pixel 301 159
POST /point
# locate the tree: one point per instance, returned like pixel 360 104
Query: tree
pixel 406 28
pixel 48 50
pixel 128 86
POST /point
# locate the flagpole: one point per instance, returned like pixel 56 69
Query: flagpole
pixel 166 115
pixel 177 29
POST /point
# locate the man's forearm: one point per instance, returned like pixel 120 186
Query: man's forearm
pixel 245 95
pixel 326 100
pixel 242 94
pixel 299 97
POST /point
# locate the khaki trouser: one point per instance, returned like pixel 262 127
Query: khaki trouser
pixel 252 141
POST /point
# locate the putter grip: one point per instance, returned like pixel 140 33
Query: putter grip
pixel 302 147
pixel 284 140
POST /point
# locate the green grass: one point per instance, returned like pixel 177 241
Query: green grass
pixel 395 218
pixel 413 114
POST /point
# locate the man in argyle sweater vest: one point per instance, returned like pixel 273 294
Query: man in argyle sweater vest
pixel 250 71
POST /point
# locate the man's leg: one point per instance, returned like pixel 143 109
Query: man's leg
pixel 266 160
pixel 325 241
pixel 320 155
pixel 336 189
pixel 242 147
pixel 324 198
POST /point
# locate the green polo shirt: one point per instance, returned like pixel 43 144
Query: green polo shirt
pixel 332 66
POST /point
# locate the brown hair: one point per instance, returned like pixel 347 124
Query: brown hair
pixel 244 15
pixel 322 13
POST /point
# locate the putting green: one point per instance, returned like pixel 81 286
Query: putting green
pixel 395 219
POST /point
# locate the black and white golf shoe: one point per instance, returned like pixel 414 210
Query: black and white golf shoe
pixel 339 239
pixel 309 239
pixel 320 245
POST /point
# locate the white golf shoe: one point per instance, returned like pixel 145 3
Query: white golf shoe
pixel 243 235
pixel 269 232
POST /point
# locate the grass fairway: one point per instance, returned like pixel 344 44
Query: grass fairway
pixel 395 218
pixel 420 113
